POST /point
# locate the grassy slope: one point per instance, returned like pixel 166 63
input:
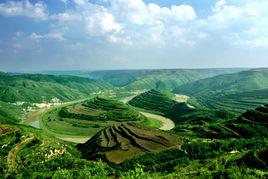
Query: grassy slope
pixel 28 152
pixel 153 100
pixel 39 88
pixel 160 103
pixel 160 79
pixel 232 92
pixel 9 113
pixel 88 117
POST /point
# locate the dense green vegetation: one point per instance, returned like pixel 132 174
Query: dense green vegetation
pixel 232 92
pixel 212 137
pixel 43 88
pixel 159 79
pixel 10 113
pixel 26 152
pixel 153 100
pixel 159 102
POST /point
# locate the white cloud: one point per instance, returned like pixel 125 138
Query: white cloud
pixel 81 2
pixel 37 11
pixel 102 22
pixel 52 35
pixel 120 40
pixel 66 16
pixel 65 1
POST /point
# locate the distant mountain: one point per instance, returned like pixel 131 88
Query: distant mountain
pixel 147 79
pixel 234 92
pixel 159 79
pixel 39 88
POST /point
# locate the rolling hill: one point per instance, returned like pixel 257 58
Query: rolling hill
pixel 42 88
pixel 252 123
pixel 153 100
pixel 88 117
pixel 180 112
pixel 233 92
pixel 166 79
pixel 119 142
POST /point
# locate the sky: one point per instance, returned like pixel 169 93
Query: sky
pixel 132 34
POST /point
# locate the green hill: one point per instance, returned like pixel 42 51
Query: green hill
pixel 9 114
pixel 166 79
pixel 88 117
pixel 233 92
pixel 42 88
pixel 30 153
pixel 153 100
pixel 159 102
pixel 252 123
pixel 101 109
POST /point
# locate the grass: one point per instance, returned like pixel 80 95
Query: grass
pixel 43 88
pixel 88 117
pixel 28 152
pixel 235 93
pixel 152 123
pixel 9 113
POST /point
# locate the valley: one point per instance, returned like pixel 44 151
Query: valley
pixel 200 127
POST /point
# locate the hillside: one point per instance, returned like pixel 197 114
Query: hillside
pixel 233 92
pixel 158 102
pixel 10 114
pixel 252 123
pixel 29 153
pixel 153 100
pixel 166 79
pixel 43 88
pixel 101 109
pixel 119 142
pixel 88 117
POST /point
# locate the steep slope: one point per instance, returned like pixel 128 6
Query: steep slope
pixel 253 123
pixel 158 102
pixel 9 114
pixel 153 100
pixel 39 88
pixel 233 92
pixel 30 153
pixel 119 142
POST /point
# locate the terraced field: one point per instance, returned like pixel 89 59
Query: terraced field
pixel 119 142
pixel 26 152
pixel 101 109
pixel 253 123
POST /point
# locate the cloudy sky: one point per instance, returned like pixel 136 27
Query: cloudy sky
pixel 119 34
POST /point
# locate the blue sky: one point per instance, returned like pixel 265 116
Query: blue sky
pixel 132 34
